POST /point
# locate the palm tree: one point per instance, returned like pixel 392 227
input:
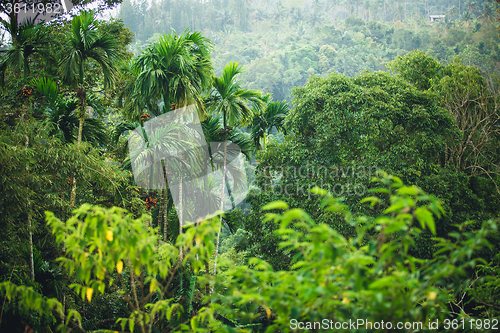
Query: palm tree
pixel 315 17
pixel 151 145
pixel 224 18
pixel 27 40
pixel 246 4
pixel 265 119
pixel 278 15
pixel 259 15
pixel 62 115
pixel 85 43
pixel 230 100
pixel 471 5
pixel 174 69
pixel 400 13
pixel 467 19
pixel 296 15
pixel 367 7
pixel 487 13
pixel 243 143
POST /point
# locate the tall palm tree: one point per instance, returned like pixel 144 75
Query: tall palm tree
pixel 265 119
pixel 488 12
pixel 278 14
pixel 315 17
pixel 230 100
pixel 152 145
pixel 28 39
pixel 86 43
pixel 175 69
pixel 467 19
pixel 62 114
pixel 367 7
pixel 259 15
pixel 243 143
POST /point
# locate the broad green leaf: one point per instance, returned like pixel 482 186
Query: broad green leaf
pixel 276 205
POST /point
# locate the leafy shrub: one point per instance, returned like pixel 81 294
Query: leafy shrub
pixel 335 279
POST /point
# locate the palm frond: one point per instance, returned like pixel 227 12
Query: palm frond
pixel 47 88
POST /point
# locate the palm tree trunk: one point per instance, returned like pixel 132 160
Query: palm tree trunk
pixel 80 125
pixel 230 193
pixel 63 306
pixel 81 94
pixel 160 211
pixel 179 213
pixel 221 205
pixel 30 231
pixel 32 264
pixel 207 271
pixel 25 71
pixel 164 202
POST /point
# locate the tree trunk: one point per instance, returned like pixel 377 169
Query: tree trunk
pixel 82 95
pixel 230 193
pixel 32 264
pixel 207 271
pixel 25 71
pixel 221 206
pixel 160 211
pixel 179 213
pixel 30 232
pixel 164 202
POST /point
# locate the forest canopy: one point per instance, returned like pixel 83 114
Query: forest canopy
pixel 349 151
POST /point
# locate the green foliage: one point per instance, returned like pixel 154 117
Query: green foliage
pixel 228 99
pixel 365 36
pixel 417 68
pixel 28 39
pixel 176 68
pixel 109 251
pixel 265 119
pixel 398 254
pixel 370 275
pixel 88 42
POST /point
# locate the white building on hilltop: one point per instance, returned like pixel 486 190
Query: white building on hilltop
pixel 436 17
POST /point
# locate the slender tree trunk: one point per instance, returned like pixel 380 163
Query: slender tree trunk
pixel 221 205
pixel 180 212
pixel 165 216
pixel 207 271
pixel 82 95
pixel 160 210
pixel 63 307
pixel 164 202
pixel 73 189
pixel 25 71
pixel 30 229
pixel 180 194
pixel 230 193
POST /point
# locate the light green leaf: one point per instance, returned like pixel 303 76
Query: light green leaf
pixel 276 205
